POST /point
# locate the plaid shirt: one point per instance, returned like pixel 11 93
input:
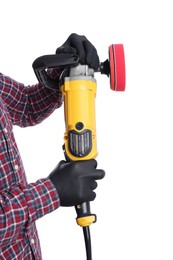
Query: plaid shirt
pixel 21 204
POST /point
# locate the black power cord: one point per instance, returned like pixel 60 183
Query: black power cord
pixel 87 237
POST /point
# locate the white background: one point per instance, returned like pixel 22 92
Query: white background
pixel 134 203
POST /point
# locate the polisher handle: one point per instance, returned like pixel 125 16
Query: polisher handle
pixel 57 61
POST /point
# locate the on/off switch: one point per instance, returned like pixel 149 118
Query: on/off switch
pixel 79 125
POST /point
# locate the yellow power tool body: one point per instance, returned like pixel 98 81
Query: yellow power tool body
pixel 79 92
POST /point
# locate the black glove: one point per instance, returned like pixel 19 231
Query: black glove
pixel 75 181
pixel 79 44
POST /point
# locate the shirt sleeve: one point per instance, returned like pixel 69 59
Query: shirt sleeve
pixel 21 206
pixel 28 105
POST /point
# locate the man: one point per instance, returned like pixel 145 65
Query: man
pixel 69 184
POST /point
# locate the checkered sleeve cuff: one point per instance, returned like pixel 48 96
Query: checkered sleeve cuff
pixel 42 198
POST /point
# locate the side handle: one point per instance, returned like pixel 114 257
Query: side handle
pixel 53 61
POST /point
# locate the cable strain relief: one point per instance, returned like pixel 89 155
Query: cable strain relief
pixel 86 220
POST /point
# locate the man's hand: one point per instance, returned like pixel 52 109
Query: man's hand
pixel 75 181
pixel 79 44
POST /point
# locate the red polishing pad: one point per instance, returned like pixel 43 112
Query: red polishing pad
pixel 117 67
